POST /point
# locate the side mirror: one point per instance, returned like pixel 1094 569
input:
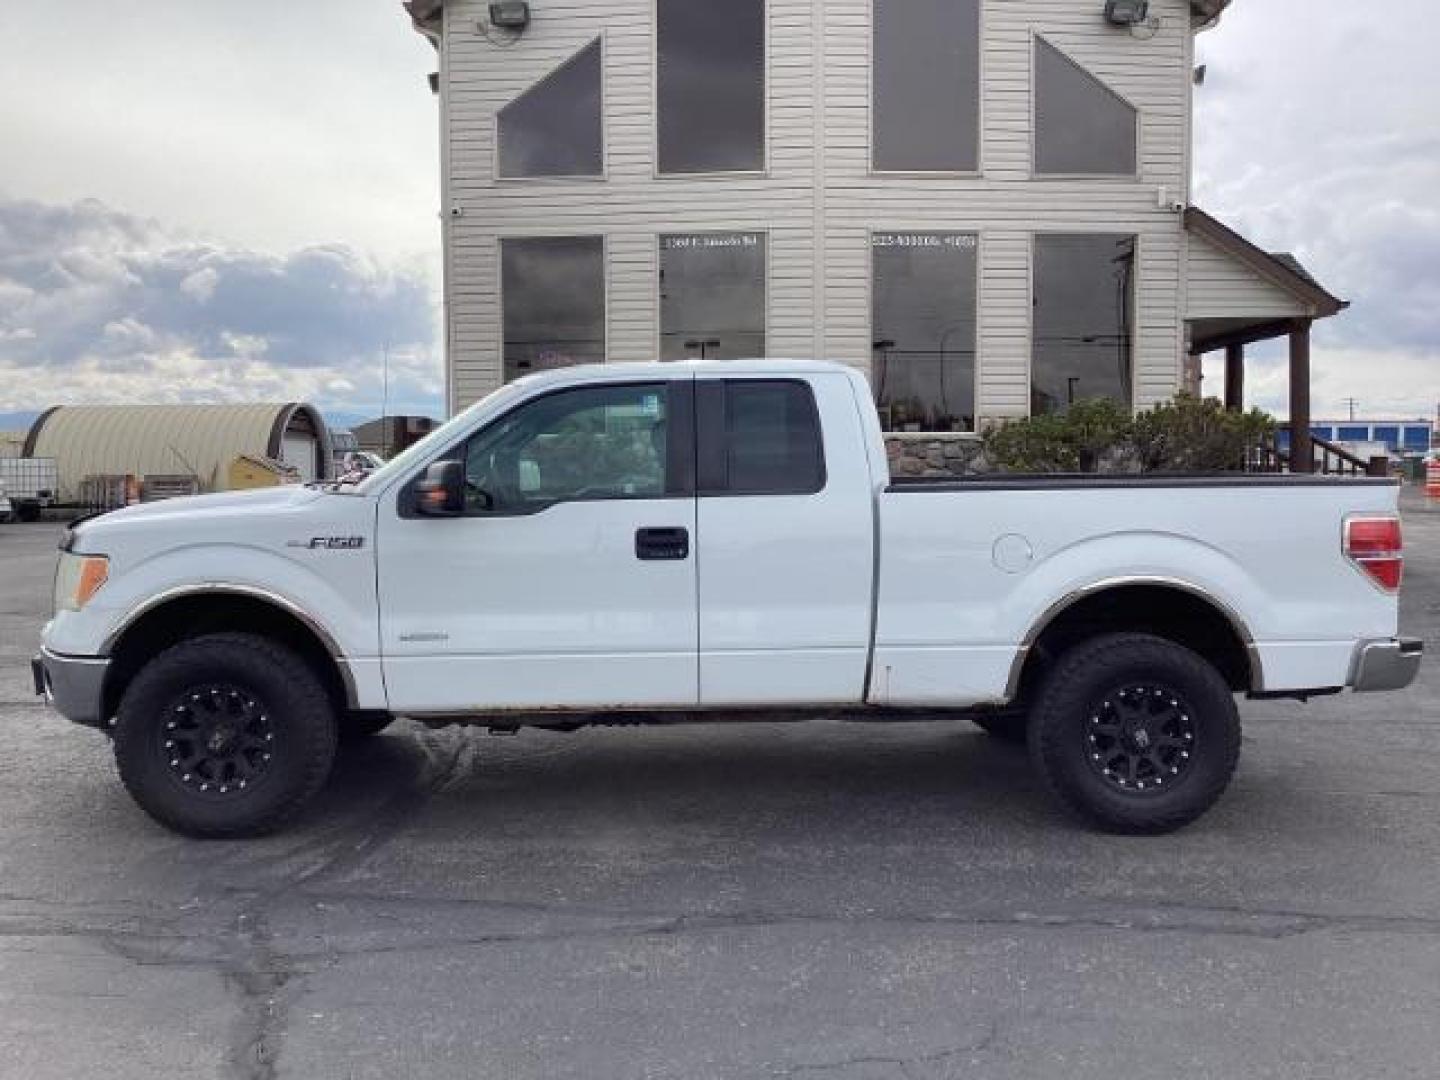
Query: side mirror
pixel 441 491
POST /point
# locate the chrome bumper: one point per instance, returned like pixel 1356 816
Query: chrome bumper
pixel 1386 665
pixel 73 685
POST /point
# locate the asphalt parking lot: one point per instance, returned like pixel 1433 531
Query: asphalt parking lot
pixel 854 902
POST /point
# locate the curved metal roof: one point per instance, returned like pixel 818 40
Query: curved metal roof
pixel 192 440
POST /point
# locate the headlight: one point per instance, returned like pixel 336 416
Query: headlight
pixel 78 578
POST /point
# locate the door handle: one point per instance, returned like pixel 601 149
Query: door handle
pixel 662 543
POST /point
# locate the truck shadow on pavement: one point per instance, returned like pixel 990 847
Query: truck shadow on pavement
pixel 764 774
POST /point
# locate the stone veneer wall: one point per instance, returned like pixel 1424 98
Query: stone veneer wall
pixel 936 454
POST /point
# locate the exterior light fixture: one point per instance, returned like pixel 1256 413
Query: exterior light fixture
pixel 1126 12
pixel 510 14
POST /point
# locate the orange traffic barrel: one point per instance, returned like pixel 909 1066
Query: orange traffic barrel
pixel 1432 479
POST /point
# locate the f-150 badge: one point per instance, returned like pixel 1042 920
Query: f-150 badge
pixel 329 543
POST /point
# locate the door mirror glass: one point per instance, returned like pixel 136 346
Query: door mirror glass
pixel 441 491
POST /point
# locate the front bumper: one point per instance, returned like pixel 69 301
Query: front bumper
pixel 1386 665
pixel 73 685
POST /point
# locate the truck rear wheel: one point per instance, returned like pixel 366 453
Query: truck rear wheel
pixel 226 735
pixel 1135 733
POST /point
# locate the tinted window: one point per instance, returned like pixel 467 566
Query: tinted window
pixel 597 442
pixel 927 85
pixel 759 437
pixel 1081 125
pixel 711 92
pixel 1354 434
pixel 712 296
pixel 923 327
pixel 553 292
pixel 553 128
pixel 1083 324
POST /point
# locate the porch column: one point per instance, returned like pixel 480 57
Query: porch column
pixel 1302 452
pixel 1235 377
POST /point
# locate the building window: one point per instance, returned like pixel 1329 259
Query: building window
pixel 1082 127
pixel 710 100
pixel 712 296
pixel 923 329
pixel 926 86
pixel 553 297
pixel 554 128
pixel 1083 324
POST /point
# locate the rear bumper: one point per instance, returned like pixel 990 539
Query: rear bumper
pixel 1386 665
pixel 73 685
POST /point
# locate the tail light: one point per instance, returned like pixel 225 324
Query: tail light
pixel 1374 545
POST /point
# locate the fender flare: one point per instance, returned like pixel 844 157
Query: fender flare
pixel 253 592
pixel 1084 592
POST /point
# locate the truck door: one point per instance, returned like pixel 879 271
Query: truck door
pixel 786 540
pixel 570 578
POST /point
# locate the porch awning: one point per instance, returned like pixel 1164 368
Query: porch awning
pixel 1239 293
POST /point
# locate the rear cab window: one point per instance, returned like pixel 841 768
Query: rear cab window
pixel 758 437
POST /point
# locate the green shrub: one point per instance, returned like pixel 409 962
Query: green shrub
pixel 1098 435
pixel 1040 444
pixel 1194 435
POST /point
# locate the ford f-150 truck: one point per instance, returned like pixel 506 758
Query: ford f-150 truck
pixel 714 541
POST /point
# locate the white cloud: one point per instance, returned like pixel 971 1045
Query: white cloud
pixel 97 305
pixel 201 284
pixel 1318 132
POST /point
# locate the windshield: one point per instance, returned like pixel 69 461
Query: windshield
pixel 403 462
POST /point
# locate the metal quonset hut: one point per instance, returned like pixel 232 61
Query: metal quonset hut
pixel 177 440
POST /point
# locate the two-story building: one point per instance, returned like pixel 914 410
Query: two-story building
pixel 982 203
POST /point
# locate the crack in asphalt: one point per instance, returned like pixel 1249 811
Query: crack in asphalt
pixel 266 980
pixel 905 1066
pixel 251 929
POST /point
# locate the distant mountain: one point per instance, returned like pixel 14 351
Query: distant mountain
pixel 17 421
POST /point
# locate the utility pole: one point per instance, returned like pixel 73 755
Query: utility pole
pixel 385 403
pixel 1352 402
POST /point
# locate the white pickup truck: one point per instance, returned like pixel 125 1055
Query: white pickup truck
pixel 714 541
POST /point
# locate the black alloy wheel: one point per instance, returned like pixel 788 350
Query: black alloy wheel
pixel 1141 737
pixel 218 739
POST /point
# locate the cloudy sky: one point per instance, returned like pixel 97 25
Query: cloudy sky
pixel 214 201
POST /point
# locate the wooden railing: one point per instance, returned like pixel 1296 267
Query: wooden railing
pixel 1329 458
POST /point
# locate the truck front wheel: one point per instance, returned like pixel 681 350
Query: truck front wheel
pixel 1135 733
pixel 225 735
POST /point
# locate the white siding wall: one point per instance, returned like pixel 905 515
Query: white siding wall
pixel 1223 288
pixel 818 200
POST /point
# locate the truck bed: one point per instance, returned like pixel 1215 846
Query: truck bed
pixel 1041 481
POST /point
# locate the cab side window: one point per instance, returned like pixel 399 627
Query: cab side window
pixel 594 442
pixel 759 437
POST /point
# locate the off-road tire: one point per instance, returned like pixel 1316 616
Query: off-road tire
pixel 1011 726
pixel 297 712
pixel 1086 679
